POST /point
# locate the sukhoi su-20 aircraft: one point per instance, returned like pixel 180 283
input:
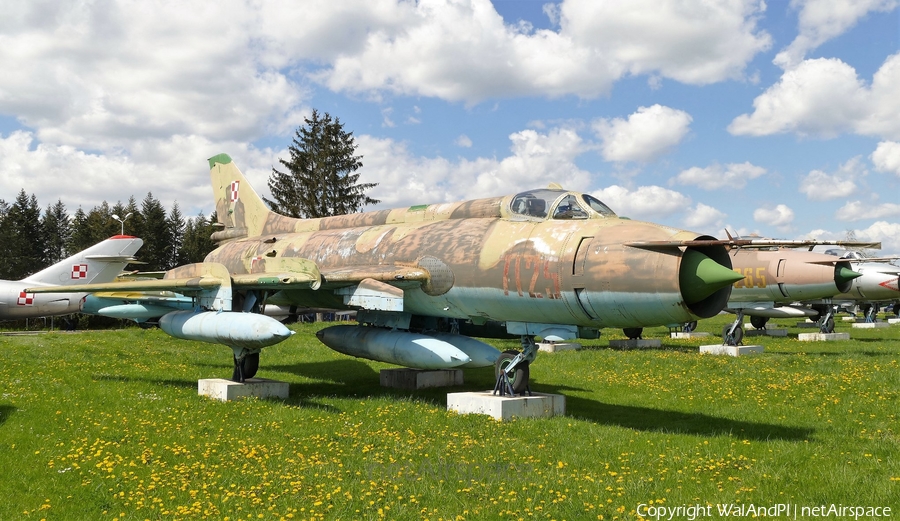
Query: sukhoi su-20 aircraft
pixel 546 263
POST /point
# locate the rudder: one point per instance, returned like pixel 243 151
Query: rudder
pixel 239 208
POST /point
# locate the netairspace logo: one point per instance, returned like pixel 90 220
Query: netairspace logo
pixel 782 510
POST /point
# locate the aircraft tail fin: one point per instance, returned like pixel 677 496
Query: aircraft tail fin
pixel 102 262
pixel 240 210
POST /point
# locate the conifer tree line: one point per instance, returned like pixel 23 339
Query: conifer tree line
pixel 32 238
pixel 320 179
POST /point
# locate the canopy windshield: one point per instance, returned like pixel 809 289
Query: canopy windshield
pixel 558 204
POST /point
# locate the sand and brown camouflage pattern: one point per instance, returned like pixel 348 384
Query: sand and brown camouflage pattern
pixel 478 260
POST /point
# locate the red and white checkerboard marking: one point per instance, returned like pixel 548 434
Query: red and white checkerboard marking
pixel 79 271
pixel 25 299
pixel 235 190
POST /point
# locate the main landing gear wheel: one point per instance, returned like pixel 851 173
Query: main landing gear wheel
pixel 518 378
pixel 759 322
pixel 245 367
pixel 826 325
pixel 633 333
pixel 732 338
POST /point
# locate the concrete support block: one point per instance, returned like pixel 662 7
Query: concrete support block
pixel 893 321
pixel 406 378
pixel 765 332
pixel 635 343
pixel 822 337
pixel 553 347
pixel 688 336
pixel 718 349
pixel 226 390
pixel 848 319
pixel 870 325
pixel 507 407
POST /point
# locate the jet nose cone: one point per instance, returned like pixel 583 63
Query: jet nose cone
pixel 842 275
pixel 701 276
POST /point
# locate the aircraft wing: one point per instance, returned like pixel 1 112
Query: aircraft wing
pixel 751 243
pixel 266 274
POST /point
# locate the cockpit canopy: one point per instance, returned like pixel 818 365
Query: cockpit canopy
pixel 558 204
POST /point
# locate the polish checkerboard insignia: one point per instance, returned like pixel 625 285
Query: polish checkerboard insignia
pixel 79 271
pixel 25 299
pixel 235 189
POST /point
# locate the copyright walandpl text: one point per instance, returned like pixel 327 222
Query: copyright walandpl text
pixel 778 510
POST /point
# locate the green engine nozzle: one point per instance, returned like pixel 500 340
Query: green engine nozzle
pixel 701 276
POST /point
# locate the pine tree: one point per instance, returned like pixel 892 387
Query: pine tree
pixel 176 226
pixel 81 237
pixel 155 234
pixel 57 231
pixel 321 178
pixel 26 243
pixel 7 236
pixel 197 242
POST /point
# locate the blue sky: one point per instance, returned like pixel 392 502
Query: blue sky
pixel 778 118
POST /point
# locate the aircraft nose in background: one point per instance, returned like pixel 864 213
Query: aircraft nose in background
pixel 842 275
pixel 701 276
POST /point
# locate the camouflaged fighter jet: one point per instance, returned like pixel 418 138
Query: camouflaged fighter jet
pixel 775 281
pixel 101 262
pixel 547 262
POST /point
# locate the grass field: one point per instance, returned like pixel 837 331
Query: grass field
pixel 108 425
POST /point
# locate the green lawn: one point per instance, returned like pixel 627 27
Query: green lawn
pixel 108 425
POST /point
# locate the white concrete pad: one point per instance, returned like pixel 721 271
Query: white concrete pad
pixel 553 347
pixel 719 349
pixel 870 325
pixel 406 378
pixel 822 337
pixel 848 319
pixel 635 343
pixel 507 407
pixel 688 336
pixel 765 332
pixel 893 321
pixel 226 390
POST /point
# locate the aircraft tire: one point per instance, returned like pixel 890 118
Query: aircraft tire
pixel 759 322
pixel 828 326
pixel 251 365
pixel 738 335
pixel 248 368
pixel 519 377
pixel 633 333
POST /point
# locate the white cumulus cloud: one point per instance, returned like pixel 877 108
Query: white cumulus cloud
pixel 535 160
pixel 705 218
pixel 644 136
pixel 821 186
pixel 716 176
pixel 886 157
pixel 824 98
pixel 646 203
pixel 822 20
pixel 780 216
pixel 858 211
